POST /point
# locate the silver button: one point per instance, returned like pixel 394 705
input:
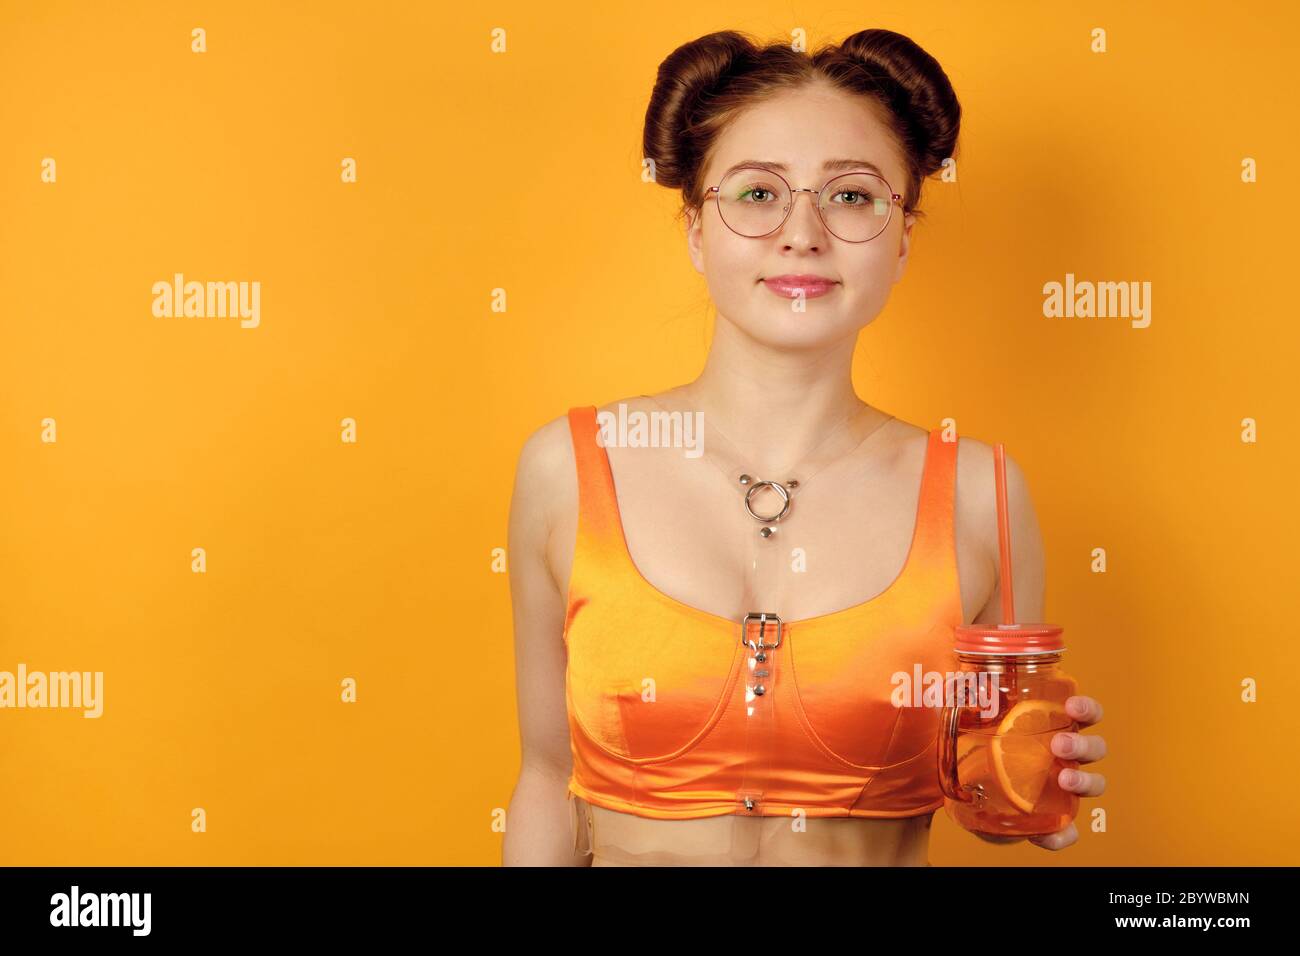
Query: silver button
pixel 759 691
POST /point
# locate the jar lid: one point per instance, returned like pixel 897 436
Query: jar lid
pixel 1008 638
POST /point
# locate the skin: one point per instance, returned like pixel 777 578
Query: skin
pixel 775 381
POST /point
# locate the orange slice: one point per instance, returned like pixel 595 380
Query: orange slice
pixel 1021 749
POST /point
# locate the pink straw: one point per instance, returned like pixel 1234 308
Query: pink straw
pixel 1004 533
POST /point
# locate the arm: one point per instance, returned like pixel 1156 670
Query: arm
pixel 538 829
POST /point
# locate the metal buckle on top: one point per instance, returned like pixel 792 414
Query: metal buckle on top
pixel 764 618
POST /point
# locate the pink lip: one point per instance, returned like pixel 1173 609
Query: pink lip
pixel 789 286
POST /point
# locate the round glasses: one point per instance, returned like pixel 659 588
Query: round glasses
pixel 755 202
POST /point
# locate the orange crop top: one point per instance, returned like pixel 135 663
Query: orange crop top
pixel 799 718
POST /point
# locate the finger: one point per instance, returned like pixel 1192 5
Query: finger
pixel 1081 782
pixel 1058 840
pixel 1084 709
pixel 1084 748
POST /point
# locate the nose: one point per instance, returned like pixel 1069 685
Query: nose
pixel 803 226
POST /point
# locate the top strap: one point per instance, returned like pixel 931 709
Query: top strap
pixel 597 500
pixel 935 514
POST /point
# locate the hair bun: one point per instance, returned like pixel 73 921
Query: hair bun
pixel 685 79
pixel 917 90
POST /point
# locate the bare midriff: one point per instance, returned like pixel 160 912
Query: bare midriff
pixel 625 839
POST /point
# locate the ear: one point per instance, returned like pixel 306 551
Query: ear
pixel 904 246
pixel 695 238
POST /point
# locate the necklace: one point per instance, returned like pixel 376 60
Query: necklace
pixel 784 489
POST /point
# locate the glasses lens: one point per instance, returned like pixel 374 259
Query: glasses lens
pixel 856 206
pixel 753 202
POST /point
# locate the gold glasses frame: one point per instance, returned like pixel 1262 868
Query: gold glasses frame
pixel 715 192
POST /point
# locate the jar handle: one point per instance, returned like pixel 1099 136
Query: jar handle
pixel 948 781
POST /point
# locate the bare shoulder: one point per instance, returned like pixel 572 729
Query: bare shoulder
pixel 544 509
pixel 972 453
pixel 976 490
pixel 547 450
pixel 977 518
pixel 546 460
pixel 977 483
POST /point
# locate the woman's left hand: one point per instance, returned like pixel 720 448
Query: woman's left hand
pixel 1071 746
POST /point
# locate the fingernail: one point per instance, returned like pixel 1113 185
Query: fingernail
pixel 1071 777
pixel 1067 746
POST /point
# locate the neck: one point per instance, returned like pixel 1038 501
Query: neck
pixel 774 405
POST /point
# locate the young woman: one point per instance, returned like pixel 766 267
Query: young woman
pixel 710 630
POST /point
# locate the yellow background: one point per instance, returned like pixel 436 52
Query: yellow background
pixel 521 171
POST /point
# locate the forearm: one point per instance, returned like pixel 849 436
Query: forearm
pixel 539 831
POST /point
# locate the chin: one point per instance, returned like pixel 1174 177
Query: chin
pixel 798 330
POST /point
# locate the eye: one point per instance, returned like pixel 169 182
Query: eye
pixel 857 197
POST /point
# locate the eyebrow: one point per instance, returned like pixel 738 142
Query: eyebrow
pixel 830 164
